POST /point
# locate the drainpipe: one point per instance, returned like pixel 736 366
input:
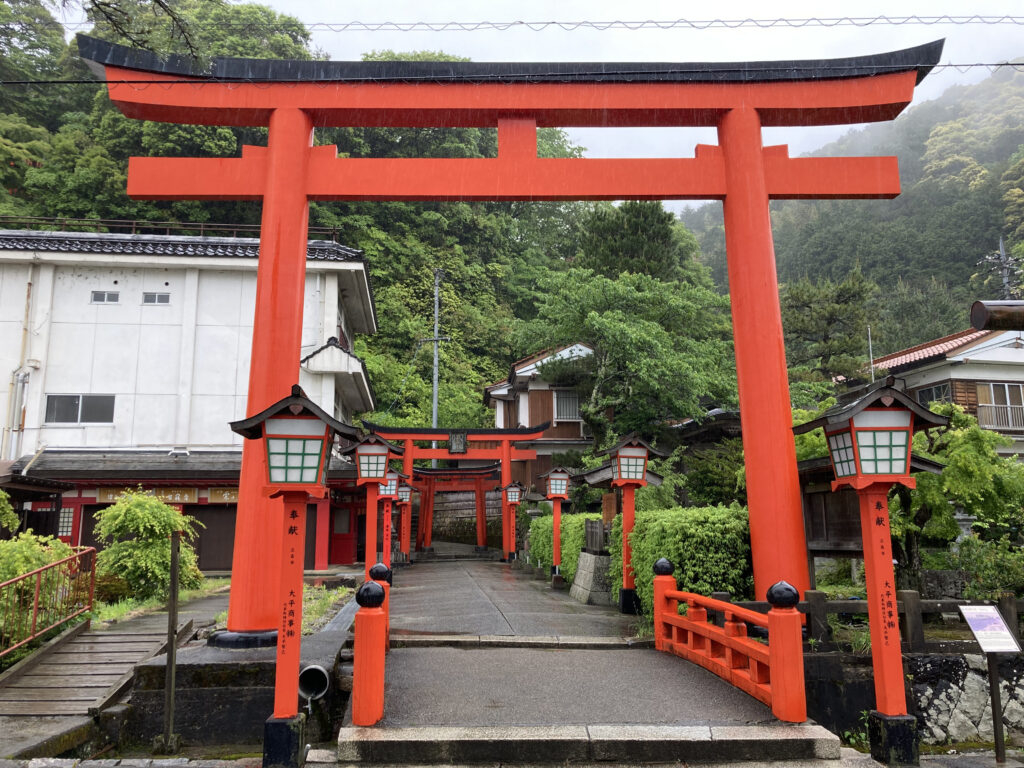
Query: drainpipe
pixel 19 380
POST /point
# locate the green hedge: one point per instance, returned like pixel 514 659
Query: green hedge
pixel 573 538
pixel 709 546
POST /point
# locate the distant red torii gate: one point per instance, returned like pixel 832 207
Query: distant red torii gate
pixel 491 445
pixel 477 480
pixel 290 97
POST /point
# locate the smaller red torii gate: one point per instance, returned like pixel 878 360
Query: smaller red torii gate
pixel 463 445
pixel 429 482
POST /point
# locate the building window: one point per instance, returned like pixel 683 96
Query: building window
pixel 79 409
pixel 65 523
pixel 567 405
pixel 937 393
pixel 1000 405
pixel 105 297
pixel 156 298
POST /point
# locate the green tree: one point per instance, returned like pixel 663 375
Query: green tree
pixel 975 479
pixel 825 325
pixel 136 530
pixel 636 236
pixel 8 517
pixel 659 348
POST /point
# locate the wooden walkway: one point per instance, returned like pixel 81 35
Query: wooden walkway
pixel 89 671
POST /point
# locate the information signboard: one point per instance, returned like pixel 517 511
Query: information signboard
pixel 989 629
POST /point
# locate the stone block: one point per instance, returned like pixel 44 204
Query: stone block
pixel 893 738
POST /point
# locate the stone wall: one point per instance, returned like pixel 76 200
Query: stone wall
pixel 952 696
pixel 948 693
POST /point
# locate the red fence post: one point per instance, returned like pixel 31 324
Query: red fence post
pixel 664 582
pixel 368 655
pixel 786 654
pixel 383 575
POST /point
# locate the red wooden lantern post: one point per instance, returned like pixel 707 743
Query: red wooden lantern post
pixel 513 495
pixel 869 443
pixel 404 520
pixel 629 472
pixel 372 455
pixel 389 493
pixel 557 492
pixel 297 437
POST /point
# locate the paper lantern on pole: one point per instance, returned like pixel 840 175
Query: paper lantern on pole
pixel 298 436
pixel 513 493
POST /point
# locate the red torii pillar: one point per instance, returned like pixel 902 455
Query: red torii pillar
pixel 740 172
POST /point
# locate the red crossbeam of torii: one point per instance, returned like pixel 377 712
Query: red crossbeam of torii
pixel 292 97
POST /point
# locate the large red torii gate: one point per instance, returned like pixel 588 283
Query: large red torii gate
pixel 290 97
pixel 490 445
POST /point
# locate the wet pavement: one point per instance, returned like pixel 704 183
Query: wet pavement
pixel 470 597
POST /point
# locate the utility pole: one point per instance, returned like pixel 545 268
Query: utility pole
pixel 437 339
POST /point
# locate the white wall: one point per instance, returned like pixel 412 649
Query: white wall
pixel 179 371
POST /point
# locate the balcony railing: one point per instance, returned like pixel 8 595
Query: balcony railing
pixel 137 227
pixel 1007 417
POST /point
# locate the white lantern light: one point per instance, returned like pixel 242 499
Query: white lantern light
pixel 558 484
pixel 372 460
pixel 513 493
pixel 296 449
pixel 389 488
pixel 630 463
pixel 404 493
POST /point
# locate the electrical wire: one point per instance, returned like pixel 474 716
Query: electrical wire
pixel 548 76
pixel 617 24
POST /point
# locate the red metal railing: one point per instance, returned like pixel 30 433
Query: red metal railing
pixel 772 673
pixel 34 603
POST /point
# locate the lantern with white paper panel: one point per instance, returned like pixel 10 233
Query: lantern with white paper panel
pixel 404 493
pixel 389 488
pixel 298 436
pixel 869 442
pixel 372 459
pixel 558 484
pixel 513 493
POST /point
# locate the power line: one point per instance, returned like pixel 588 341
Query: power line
pixel 549 76
pixel 601 26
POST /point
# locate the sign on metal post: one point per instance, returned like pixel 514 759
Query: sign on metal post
pixel 994 637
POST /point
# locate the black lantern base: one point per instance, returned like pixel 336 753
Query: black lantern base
pixel 237 640
pixel 893 738
pixel 629 603
pixel 284 742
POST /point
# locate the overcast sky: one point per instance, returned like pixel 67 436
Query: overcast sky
pixel 965 44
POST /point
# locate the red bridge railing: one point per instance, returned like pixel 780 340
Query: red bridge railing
pixel 772 673
pixel 36 602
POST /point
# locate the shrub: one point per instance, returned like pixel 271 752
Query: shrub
pixel 23 554
pixel 137 531
pixel 709 546
pixel 27 551
pixel 573 538
pixel 541 551
pixel 992 568
pixel 8 517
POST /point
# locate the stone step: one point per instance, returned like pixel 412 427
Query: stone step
pixel 627 744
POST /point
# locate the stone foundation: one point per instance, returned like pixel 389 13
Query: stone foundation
pixel 591 585
pixel 952 696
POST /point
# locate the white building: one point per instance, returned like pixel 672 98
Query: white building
pixel 127 356
pixel 983 371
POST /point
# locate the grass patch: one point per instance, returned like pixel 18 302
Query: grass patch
pixel 132 607
pixel 319 604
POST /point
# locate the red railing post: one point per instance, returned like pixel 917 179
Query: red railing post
pixel 383 575
pixel 664 582
pixel 368 655
pixel 786 654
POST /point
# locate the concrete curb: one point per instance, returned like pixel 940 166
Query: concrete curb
pixel 577 743
pixel 595 643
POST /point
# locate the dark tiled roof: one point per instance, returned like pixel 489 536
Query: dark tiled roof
pixel 160 245
pixel 920 59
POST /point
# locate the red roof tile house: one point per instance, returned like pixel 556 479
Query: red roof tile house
pixel 982 371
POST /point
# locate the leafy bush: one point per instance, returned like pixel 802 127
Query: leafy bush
pixel 23 554
pixel 137 531
pixel 27 551
pixel 541 535
pixel 709 546
pixel 573 538
pixel 992 568
pixel 8 517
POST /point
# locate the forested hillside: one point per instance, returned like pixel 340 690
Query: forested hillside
pixel 962 169
pixel 517 278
